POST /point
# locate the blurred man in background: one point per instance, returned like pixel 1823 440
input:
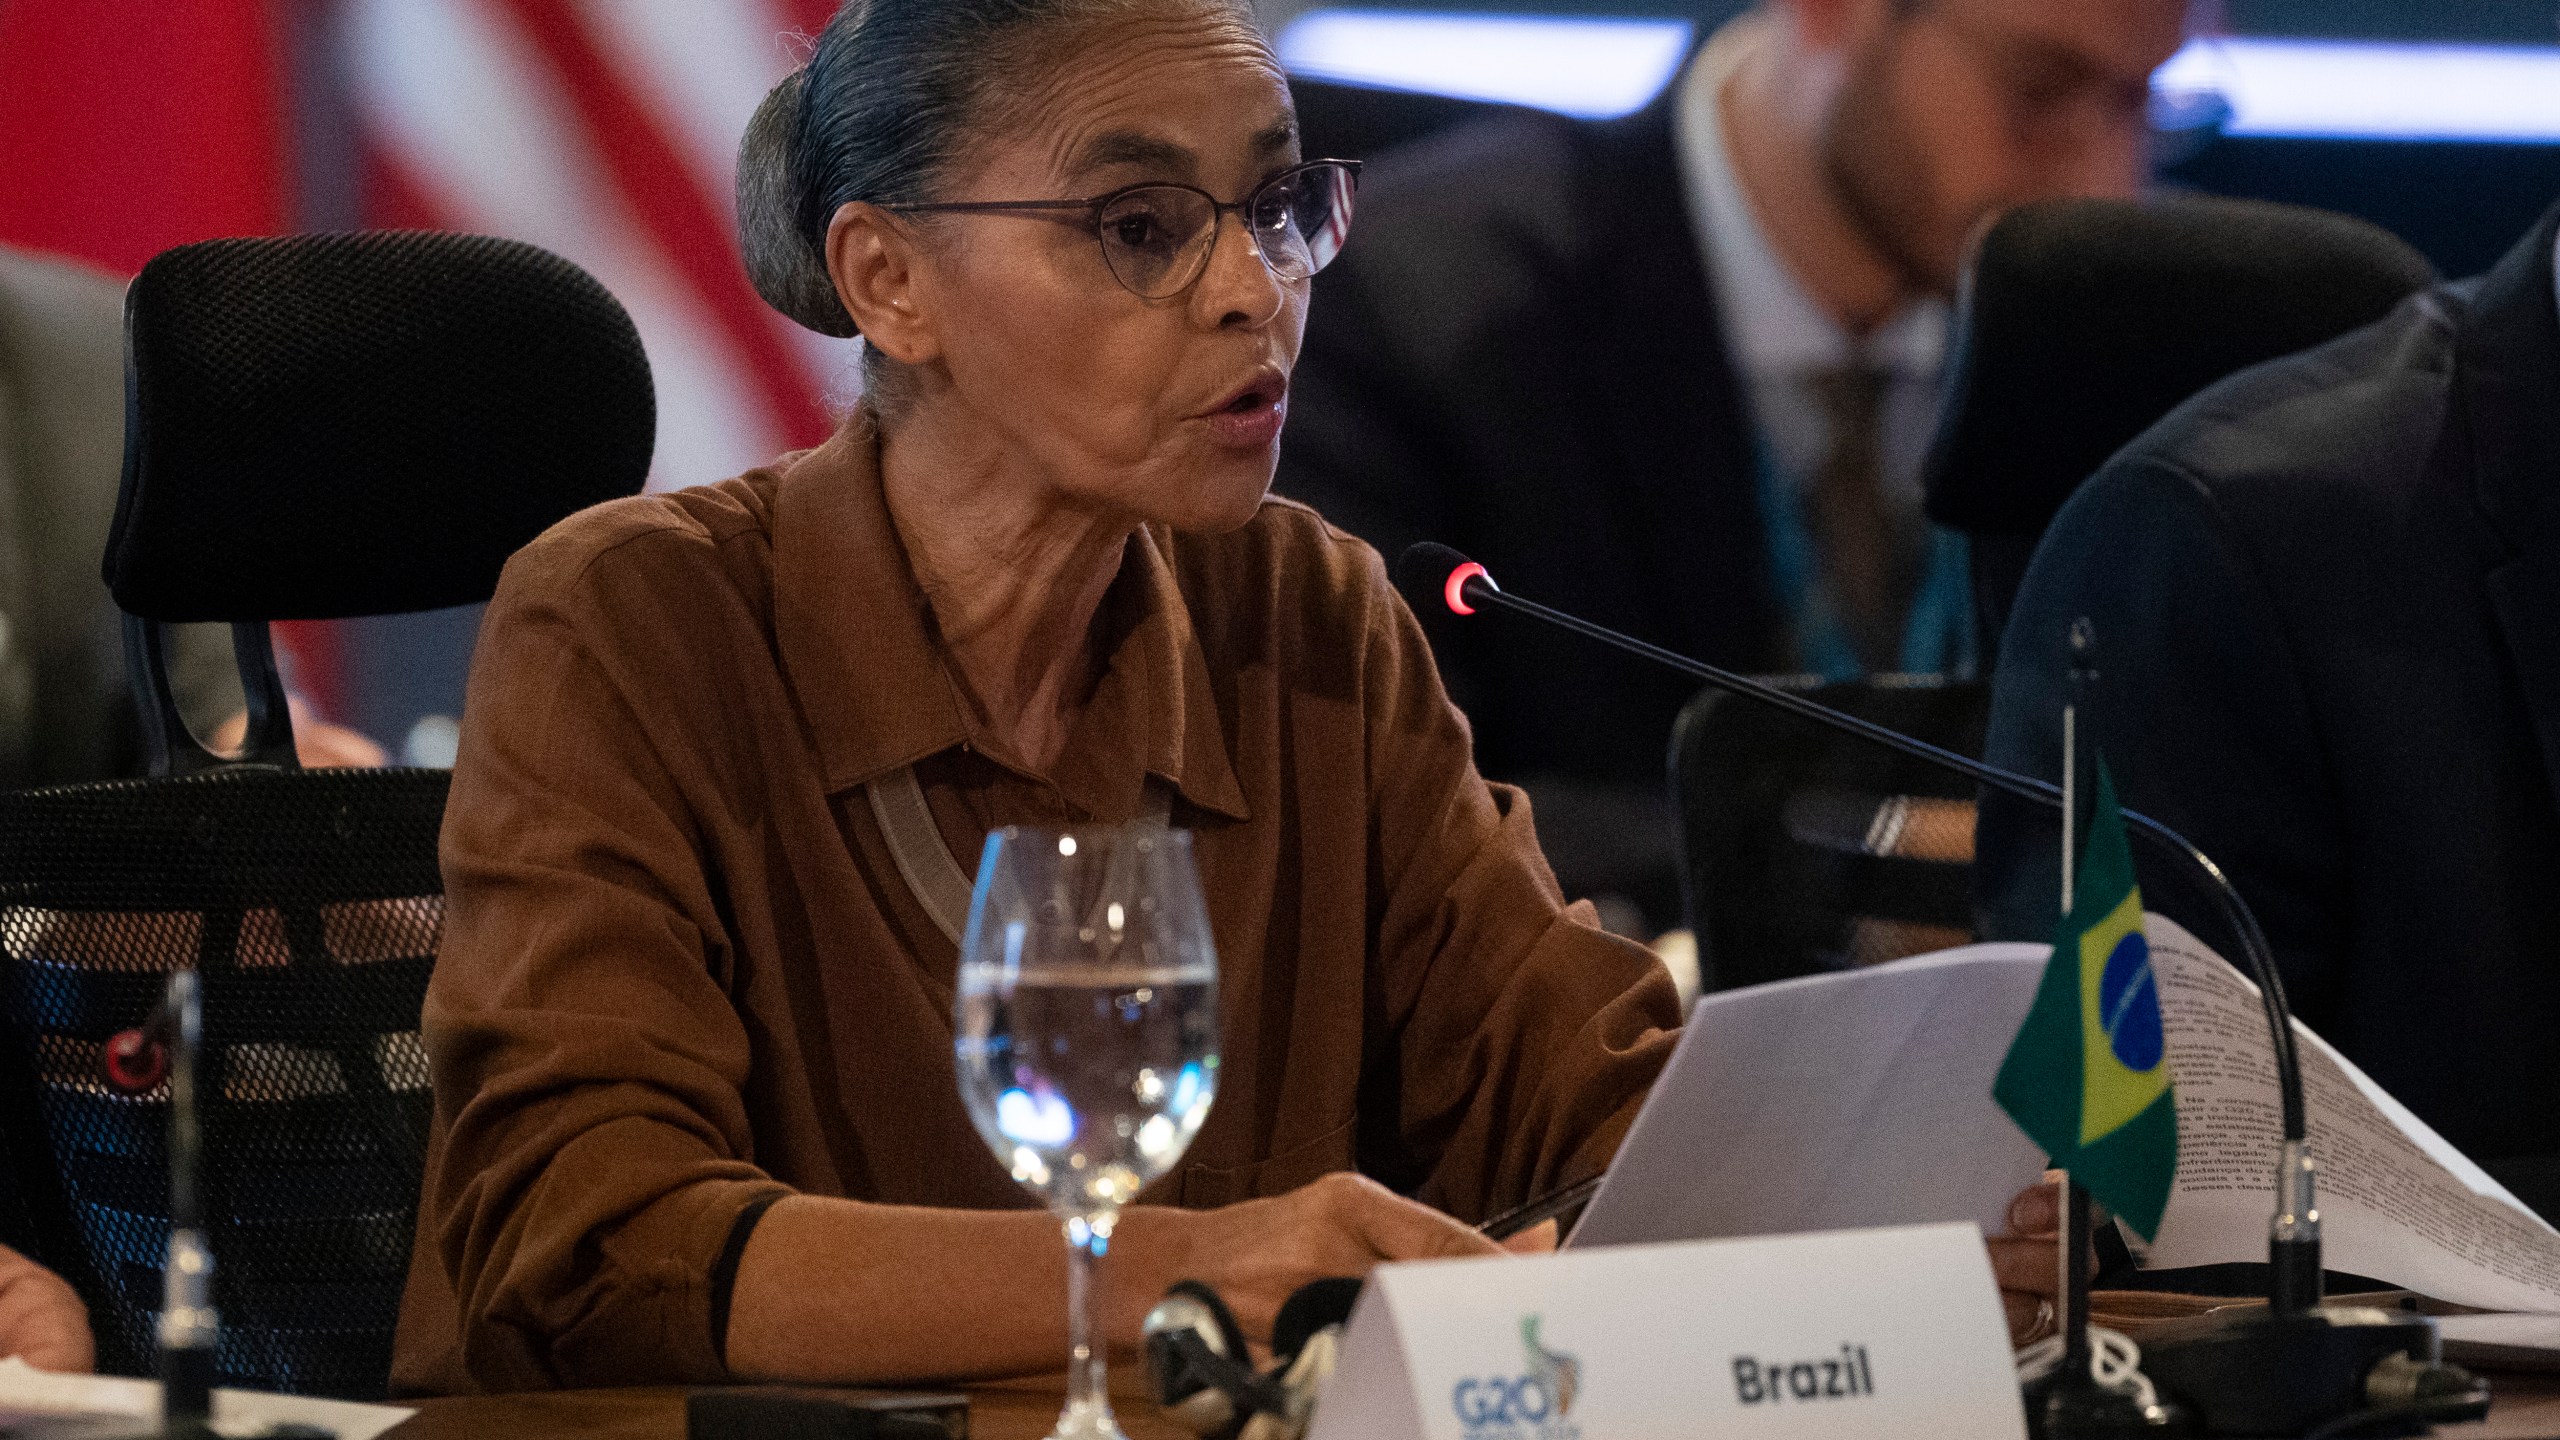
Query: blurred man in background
pixel 2326 594
pixel 66 714
pixel 1676 372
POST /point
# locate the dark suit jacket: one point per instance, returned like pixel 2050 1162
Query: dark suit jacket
pixel 2327 603
pixel 1517 355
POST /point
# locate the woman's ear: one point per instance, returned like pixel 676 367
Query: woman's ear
pixel 873 258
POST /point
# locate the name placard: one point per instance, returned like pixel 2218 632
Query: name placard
pixel 1856 1333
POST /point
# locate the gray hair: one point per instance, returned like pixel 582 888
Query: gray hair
pixel 892 93
pixel 789 272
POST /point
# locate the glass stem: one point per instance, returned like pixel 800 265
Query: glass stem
pixel 1088 1392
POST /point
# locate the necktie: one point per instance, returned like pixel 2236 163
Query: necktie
pixel 1866 550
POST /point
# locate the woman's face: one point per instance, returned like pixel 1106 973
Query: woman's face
pixel 1164 410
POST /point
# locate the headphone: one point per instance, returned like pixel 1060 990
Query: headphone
pixel 1202 1374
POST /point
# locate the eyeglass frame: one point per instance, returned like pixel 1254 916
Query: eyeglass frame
pixel 1094 206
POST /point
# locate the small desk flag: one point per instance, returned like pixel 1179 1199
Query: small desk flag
pixel 2088 1076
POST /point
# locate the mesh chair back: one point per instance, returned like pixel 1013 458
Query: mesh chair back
pixel 310 904
pixel 1804 850
pixel 317 427
pixel 2084 321
pixel 367 424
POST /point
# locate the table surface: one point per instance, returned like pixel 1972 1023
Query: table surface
pixel 2528 1408
pixel 1007 1410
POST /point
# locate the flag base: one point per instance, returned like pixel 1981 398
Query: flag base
pixel 2067 1402
pixel 2067 1406
pixel 2263 1373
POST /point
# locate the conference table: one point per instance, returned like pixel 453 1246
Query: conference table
pixel 2528 1408
pixel 1005 1410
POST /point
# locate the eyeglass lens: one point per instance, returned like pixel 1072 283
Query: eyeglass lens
pixel 1157 238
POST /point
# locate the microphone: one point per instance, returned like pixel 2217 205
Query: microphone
pixel 1202 1374
pixel 166 1046
pixel 2263 1367
pixel 1466 587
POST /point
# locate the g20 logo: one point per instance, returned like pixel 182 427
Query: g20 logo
pixel 1500 1400
pixel 1498 1407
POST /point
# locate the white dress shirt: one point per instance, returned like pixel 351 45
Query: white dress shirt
pixel 1779 338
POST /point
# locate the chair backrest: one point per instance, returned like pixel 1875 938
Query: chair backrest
pixel 309 903
pixel 317 427
pixel 1363 121
pixel 2082 322
pixel 1804 850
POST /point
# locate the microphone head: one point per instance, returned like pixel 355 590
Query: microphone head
pixel 1432 568
pixel 1426 564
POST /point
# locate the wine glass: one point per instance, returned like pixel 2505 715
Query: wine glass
pixel 1087 1039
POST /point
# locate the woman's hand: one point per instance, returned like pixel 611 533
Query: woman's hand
pixel 828 1290
pixel 41 1318
pixel 1256 1254
pixel 2026 1260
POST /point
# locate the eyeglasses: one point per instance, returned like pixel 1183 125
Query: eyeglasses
pixel 1157 237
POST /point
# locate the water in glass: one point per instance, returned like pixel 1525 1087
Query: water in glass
pixel 1087 1041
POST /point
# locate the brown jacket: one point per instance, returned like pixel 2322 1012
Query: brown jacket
pixel 681 972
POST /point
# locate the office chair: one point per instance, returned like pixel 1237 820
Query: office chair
pixel 2081 322
pixel 317 427
pixel 1336 117
pixel 1804 850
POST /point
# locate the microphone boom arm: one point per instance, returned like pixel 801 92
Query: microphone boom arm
pixel 1479 590
pixel 2293 1232
pixel 2291 1368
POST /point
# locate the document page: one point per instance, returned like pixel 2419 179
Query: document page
pixel 27 1393
pixel 2507 1342
pixel 1833 1102
pixel 2397 1203
pixel 1864 1098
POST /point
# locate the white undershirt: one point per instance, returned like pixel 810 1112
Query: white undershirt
pixel 1776 334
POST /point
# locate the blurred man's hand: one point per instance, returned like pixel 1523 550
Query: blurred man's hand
pixel 318 742
pixel 41 1318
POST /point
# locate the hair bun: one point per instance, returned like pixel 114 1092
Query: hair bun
pixel 786 269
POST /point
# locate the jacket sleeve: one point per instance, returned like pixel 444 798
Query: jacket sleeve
pixel 2200 713
pixel 1521 1036
pixel 592 1149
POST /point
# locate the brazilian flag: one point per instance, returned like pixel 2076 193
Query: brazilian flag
pixel 2088 1076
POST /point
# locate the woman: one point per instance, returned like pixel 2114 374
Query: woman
pixel 696 1114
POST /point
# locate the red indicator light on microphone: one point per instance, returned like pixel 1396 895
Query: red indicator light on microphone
pixel 1455 592
pixel 134 1062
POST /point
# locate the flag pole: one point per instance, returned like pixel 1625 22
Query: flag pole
pixel 2070 1401
pixel 2076 792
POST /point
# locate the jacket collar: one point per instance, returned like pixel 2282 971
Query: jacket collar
pixel 2507 372
pixel 2507 393
pixel 864 661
